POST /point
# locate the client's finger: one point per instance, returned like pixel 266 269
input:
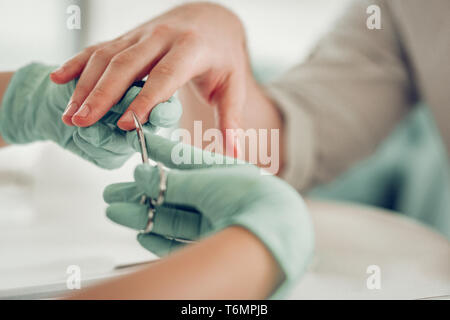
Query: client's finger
pixel 73 67
pixel 92 72
pixel 165 114
pixel 176 68
pixel 116 78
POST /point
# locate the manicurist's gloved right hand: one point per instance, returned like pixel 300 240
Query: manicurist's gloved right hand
pixel 33 105
pixel 204 198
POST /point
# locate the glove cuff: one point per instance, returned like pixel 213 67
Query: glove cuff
pixel 289 237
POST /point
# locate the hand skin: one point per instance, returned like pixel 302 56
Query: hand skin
pixel 259 113
pixel 202 44
pixel 4 81
pixel 239 268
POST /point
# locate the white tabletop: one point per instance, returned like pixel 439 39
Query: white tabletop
pixel 414 261
pixel 52 215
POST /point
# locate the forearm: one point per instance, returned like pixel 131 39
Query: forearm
pixel 259 113
pixel 240 268
pixel 4 81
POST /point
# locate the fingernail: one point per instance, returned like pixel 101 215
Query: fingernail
pixel 83 112
pixel 126 118
pixel 71 108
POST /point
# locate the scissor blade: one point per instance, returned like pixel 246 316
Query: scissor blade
pixel 141 138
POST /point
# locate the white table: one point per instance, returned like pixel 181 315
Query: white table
pixel 414 260
pixel 52 215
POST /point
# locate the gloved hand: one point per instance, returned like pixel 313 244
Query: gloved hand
pixel 33 105
pixel 205 198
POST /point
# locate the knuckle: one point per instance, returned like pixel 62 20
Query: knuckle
pixel 101 54
pixel 89 50
pixel 100 93
pixel 119 44
pixel 161 29
pixel 121 59
pixel 189 37
pixel 165 70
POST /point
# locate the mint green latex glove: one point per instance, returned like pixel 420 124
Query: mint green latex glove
pixel 33 105
pixel 203 199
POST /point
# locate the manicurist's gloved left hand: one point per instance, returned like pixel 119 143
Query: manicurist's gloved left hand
pixel 32 107
pixel 204 198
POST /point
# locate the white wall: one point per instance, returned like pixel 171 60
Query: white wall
pixel 33 30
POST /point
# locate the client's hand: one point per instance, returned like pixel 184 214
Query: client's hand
pixel 33 105
pixel 204 198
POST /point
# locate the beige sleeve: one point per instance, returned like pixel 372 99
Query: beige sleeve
pixel 348 95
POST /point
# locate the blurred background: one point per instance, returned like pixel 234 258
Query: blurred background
pixel 45 188
pixel 37 30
